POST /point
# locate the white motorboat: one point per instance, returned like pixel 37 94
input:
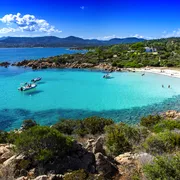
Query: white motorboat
pixel 27 87
pixel 36 79
pixel 107 76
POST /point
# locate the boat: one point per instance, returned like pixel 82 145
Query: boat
pixel 27 87
pixel 107 76
pixel 36 79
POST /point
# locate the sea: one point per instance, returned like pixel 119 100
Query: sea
pixel 79 93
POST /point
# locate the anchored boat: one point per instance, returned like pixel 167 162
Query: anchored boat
pixel 27 87
pixel 107 76
pixel 36 79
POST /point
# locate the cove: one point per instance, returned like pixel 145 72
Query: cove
pixel 76 94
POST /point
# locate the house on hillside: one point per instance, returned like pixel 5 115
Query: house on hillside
pixel 150 49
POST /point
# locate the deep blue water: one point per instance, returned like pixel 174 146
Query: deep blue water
pixel 19 54
pixel 67 93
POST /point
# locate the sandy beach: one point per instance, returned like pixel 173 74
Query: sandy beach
pixel 172 72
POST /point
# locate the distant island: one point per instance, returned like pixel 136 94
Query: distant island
pixel 53 41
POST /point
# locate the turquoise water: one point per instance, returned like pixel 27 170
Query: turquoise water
pixel 81 93
pixel 19 54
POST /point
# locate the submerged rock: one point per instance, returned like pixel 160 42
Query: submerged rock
pixel 4 64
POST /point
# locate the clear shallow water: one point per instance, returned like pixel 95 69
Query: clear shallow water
pixel 19 54
pixel 82 93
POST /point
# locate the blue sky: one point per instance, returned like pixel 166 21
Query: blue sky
pixel 100 19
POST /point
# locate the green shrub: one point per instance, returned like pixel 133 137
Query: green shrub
pixel 150 120
pixel 28 124
pixel 165 168
pixel 81 175
pixel 67 126
pixel 114 63
pixel 91 125
pixel 120 138
pixel 166 125
pixel 96 125
pixel 120 65
pixel 8 137
pixel 12 136
pixel 3 137
pixel 43 143
pixel 162 142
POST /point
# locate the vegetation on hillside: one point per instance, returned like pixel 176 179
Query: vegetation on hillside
pixel 154 135
pixel 157 53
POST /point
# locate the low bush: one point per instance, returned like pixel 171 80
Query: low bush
pixel 166 125
pixel 150 120
pixel 8 137
pixel 96 125
pixel 81 175
pixel 3 137
pixel 92 125
pixel 120 138
pixel 43 143
pixel 162 142
pixel 165 168
pixel 28 124
pixel 67 126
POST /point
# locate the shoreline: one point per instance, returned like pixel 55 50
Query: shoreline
pixel 171 72
pixel 35 65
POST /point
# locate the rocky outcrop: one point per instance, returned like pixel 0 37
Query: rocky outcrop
pixel 42 64
pixel 104 166
pixel 107 67
pixel 171 114
pixel 4 64
pixel 43 177
pixel 5 152
pixel 96 146
pixel 130 163
pixel 92 159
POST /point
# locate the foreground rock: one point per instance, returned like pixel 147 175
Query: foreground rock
pixel 130 164
pixel 104 166
pixel 5 152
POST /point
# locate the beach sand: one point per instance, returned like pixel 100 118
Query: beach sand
pixel 172 72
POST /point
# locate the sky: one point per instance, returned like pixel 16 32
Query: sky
pixel 90 19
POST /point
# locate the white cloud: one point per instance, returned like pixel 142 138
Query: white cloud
pixel 115 36
pixel 82 7
pixel 137 36
pixel 28 23
pixel 175 33
pixel 7 30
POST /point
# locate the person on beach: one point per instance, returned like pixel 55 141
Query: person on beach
pixel 162 86
pixel 169 86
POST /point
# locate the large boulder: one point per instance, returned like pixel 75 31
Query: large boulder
pixel 43 177
pixel 128 163
pixel 96 146
pixel 104 166
pixel 171 114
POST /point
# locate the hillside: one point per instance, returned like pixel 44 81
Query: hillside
pixel 52 41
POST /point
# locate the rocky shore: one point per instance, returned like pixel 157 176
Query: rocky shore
pixel 40 64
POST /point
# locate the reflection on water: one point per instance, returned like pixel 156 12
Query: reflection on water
pixel 32 92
